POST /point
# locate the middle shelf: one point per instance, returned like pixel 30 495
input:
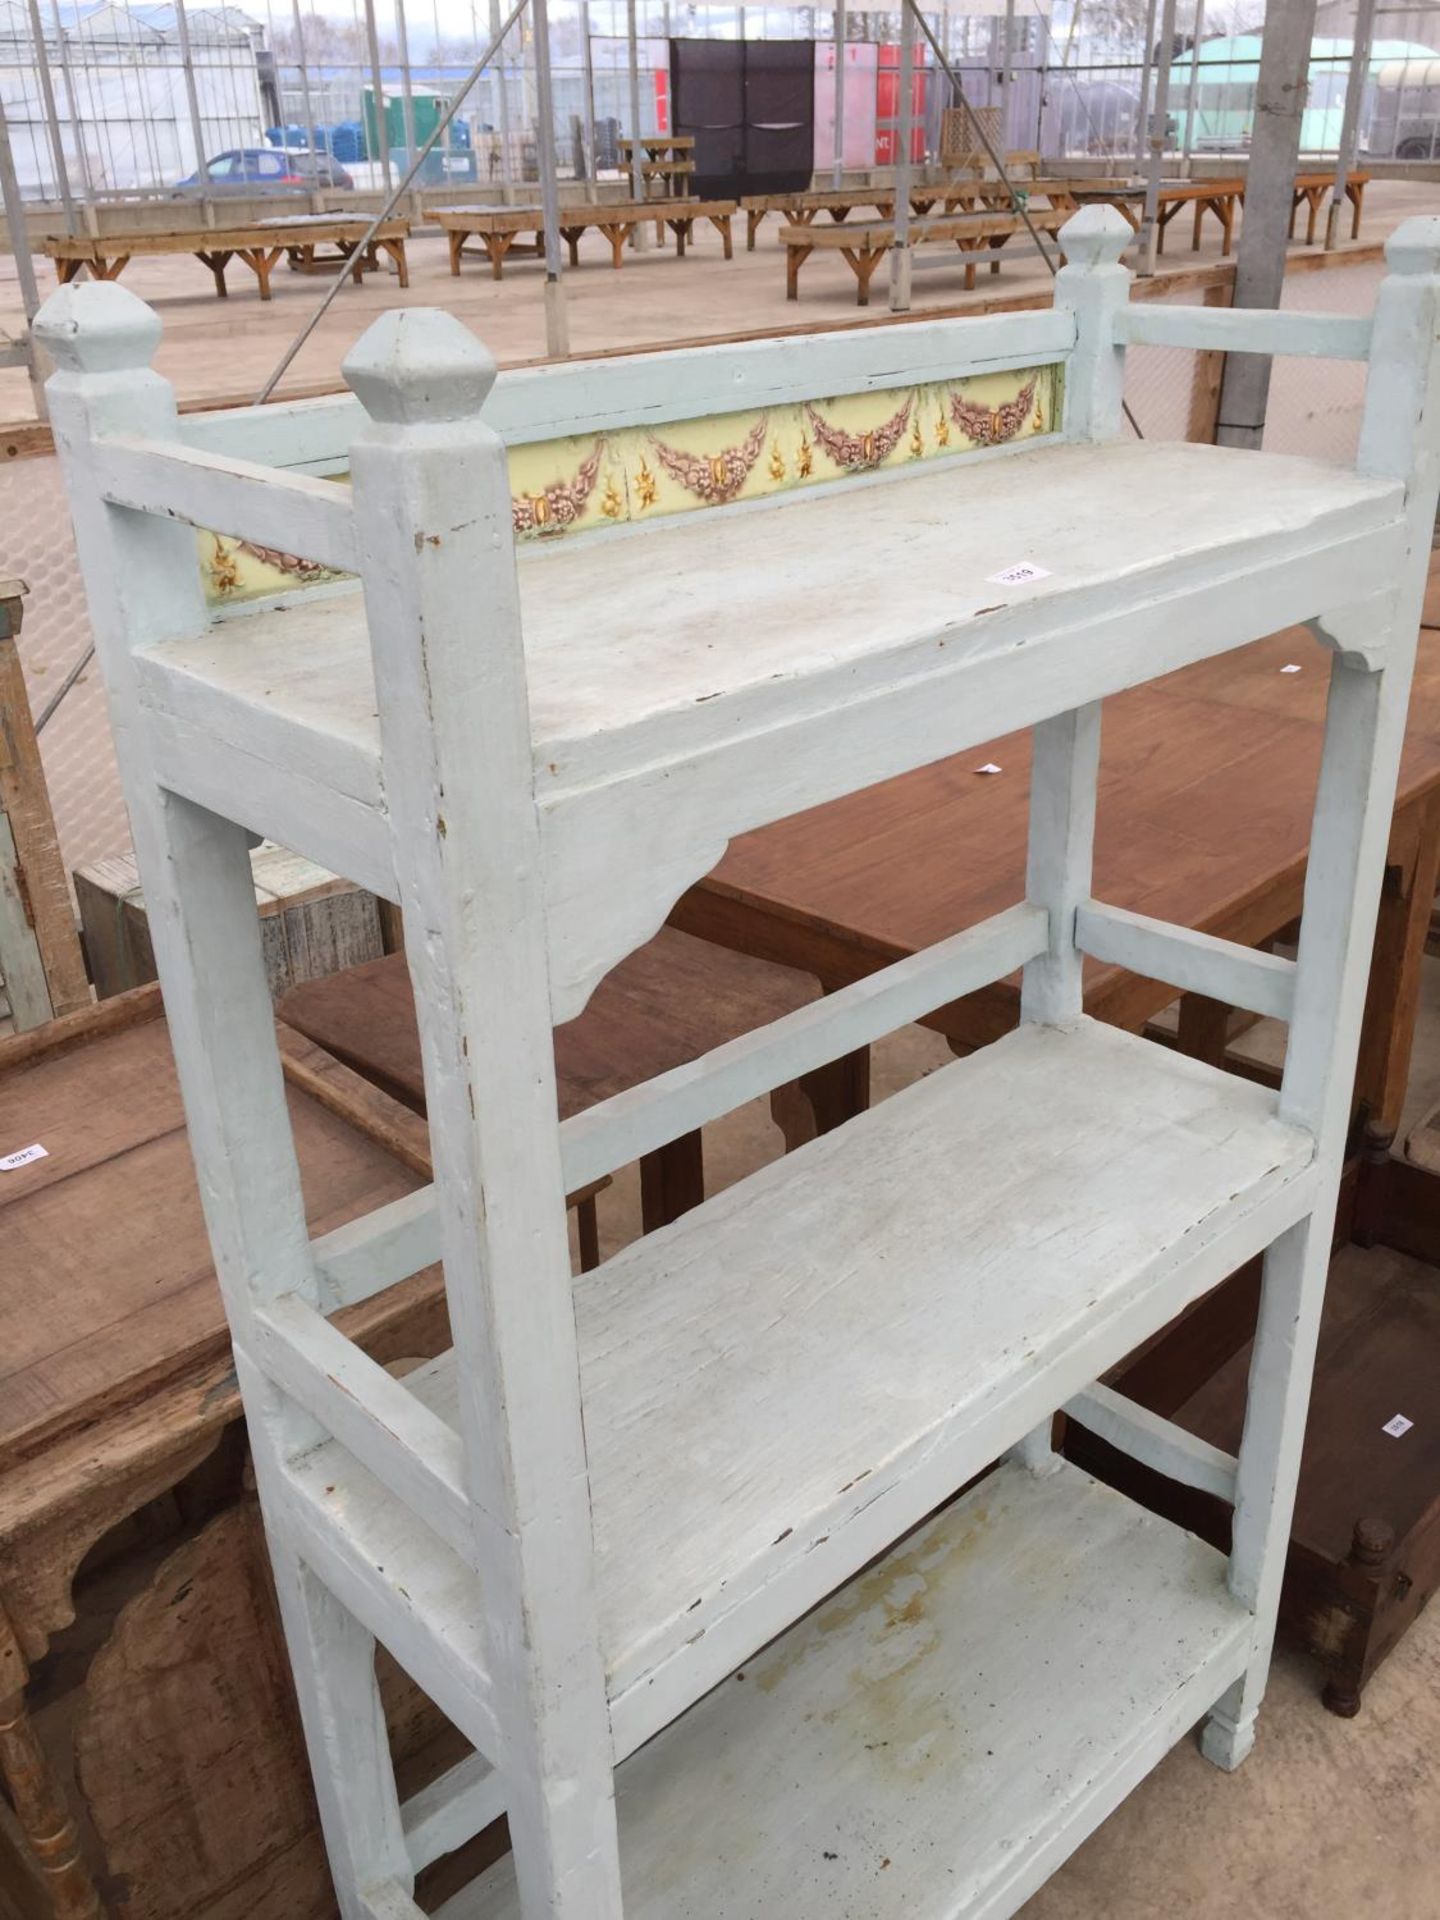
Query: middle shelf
pixel 780 1384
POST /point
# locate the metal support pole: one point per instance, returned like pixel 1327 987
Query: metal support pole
pixel 24 264
pixel 1160 114
pixel 1192 91
pixel 838 177
pixel 382 129
pixel 343 271
pixel 87 188
pixel 1142 124
pixel 52 117
pixel 641 239
pixel 592 151
pixel 504 115
pixel 901 258
pixel 304 77
pixel 1350 124
pixel 1269 201
pixel 407 90
pixel 557 331
pixel 197 132
pixel 1007 55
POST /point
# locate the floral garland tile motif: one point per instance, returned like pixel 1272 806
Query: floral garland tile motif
pixel 993 426
pixel 862 452
pixel 633 474
pixel 715 478
pixel 559 505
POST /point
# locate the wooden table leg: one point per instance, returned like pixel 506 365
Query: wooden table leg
pixel 1355 193
pixel 672 1181
pixel 587 1232
pixel 721 221
pixel 217 263
pixel 396 250
pixel 819 1102
pixel 40 1809
pixel 1204 1028
pixel 795 258
pixel 1387 1036
pixel 457 247
pixel 752 227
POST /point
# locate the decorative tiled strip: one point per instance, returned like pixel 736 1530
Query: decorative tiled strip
pixel 635 474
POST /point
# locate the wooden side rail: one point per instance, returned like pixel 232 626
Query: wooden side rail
pixel 1314 336
pixel 451 1810
pixel 338 1535
pixel 638 1121
pixel 275 508
pixel 373 1415
pixel 1262 983
pixel 1155 1442
pixel 380 1248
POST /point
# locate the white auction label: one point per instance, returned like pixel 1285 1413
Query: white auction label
pixel 1020 575
pixel 989 767
pixel 10 1161
pixel 1398 1426
pixel 1292 668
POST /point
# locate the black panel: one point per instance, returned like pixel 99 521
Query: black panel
pixel 751 109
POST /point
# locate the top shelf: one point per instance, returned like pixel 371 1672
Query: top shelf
pixel 690 645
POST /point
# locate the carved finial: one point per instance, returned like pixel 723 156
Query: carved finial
pixel 1095 237
pixel 1414 246
pixel 97 327
pixel 419 366
pixel 1373 1540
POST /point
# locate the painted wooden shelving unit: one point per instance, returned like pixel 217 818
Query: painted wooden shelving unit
pixel 597 1530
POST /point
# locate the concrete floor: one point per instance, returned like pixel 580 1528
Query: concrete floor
pixel 230 347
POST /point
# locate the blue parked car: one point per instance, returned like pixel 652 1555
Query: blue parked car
pixel 267 170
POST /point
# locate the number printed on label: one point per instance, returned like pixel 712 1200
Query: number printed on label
pixel 1397 1427
pixel 10 1161
pixel 1020 575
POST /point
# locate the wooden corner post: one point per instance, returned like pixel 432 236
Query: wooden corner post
pixel 432 504
pixel 1364 733
pixel 1092 287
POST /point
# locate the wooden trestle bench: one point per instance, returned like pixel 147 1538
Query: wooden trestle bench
pixel 600 1531
pixel 865 244
pixel 499 229
pixel 300 238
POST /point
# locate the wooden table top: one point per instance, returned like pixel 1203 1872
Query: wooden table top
pixel 663 1006
pixel 107 1290
pixel 303 228
pixel 1206 788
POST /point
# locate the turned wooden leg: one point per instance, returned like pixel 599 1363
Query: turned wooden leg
pixel 672 1181
pixel 44 1819
pixel 1371 1545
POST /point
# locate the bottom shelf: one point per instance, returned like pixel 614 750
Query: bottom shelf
pixel 937 1737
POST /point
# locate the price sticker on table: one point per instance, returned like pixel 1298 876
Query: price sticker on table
pixel 1019 575
pixel 1397 1427
pixel 23 1157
